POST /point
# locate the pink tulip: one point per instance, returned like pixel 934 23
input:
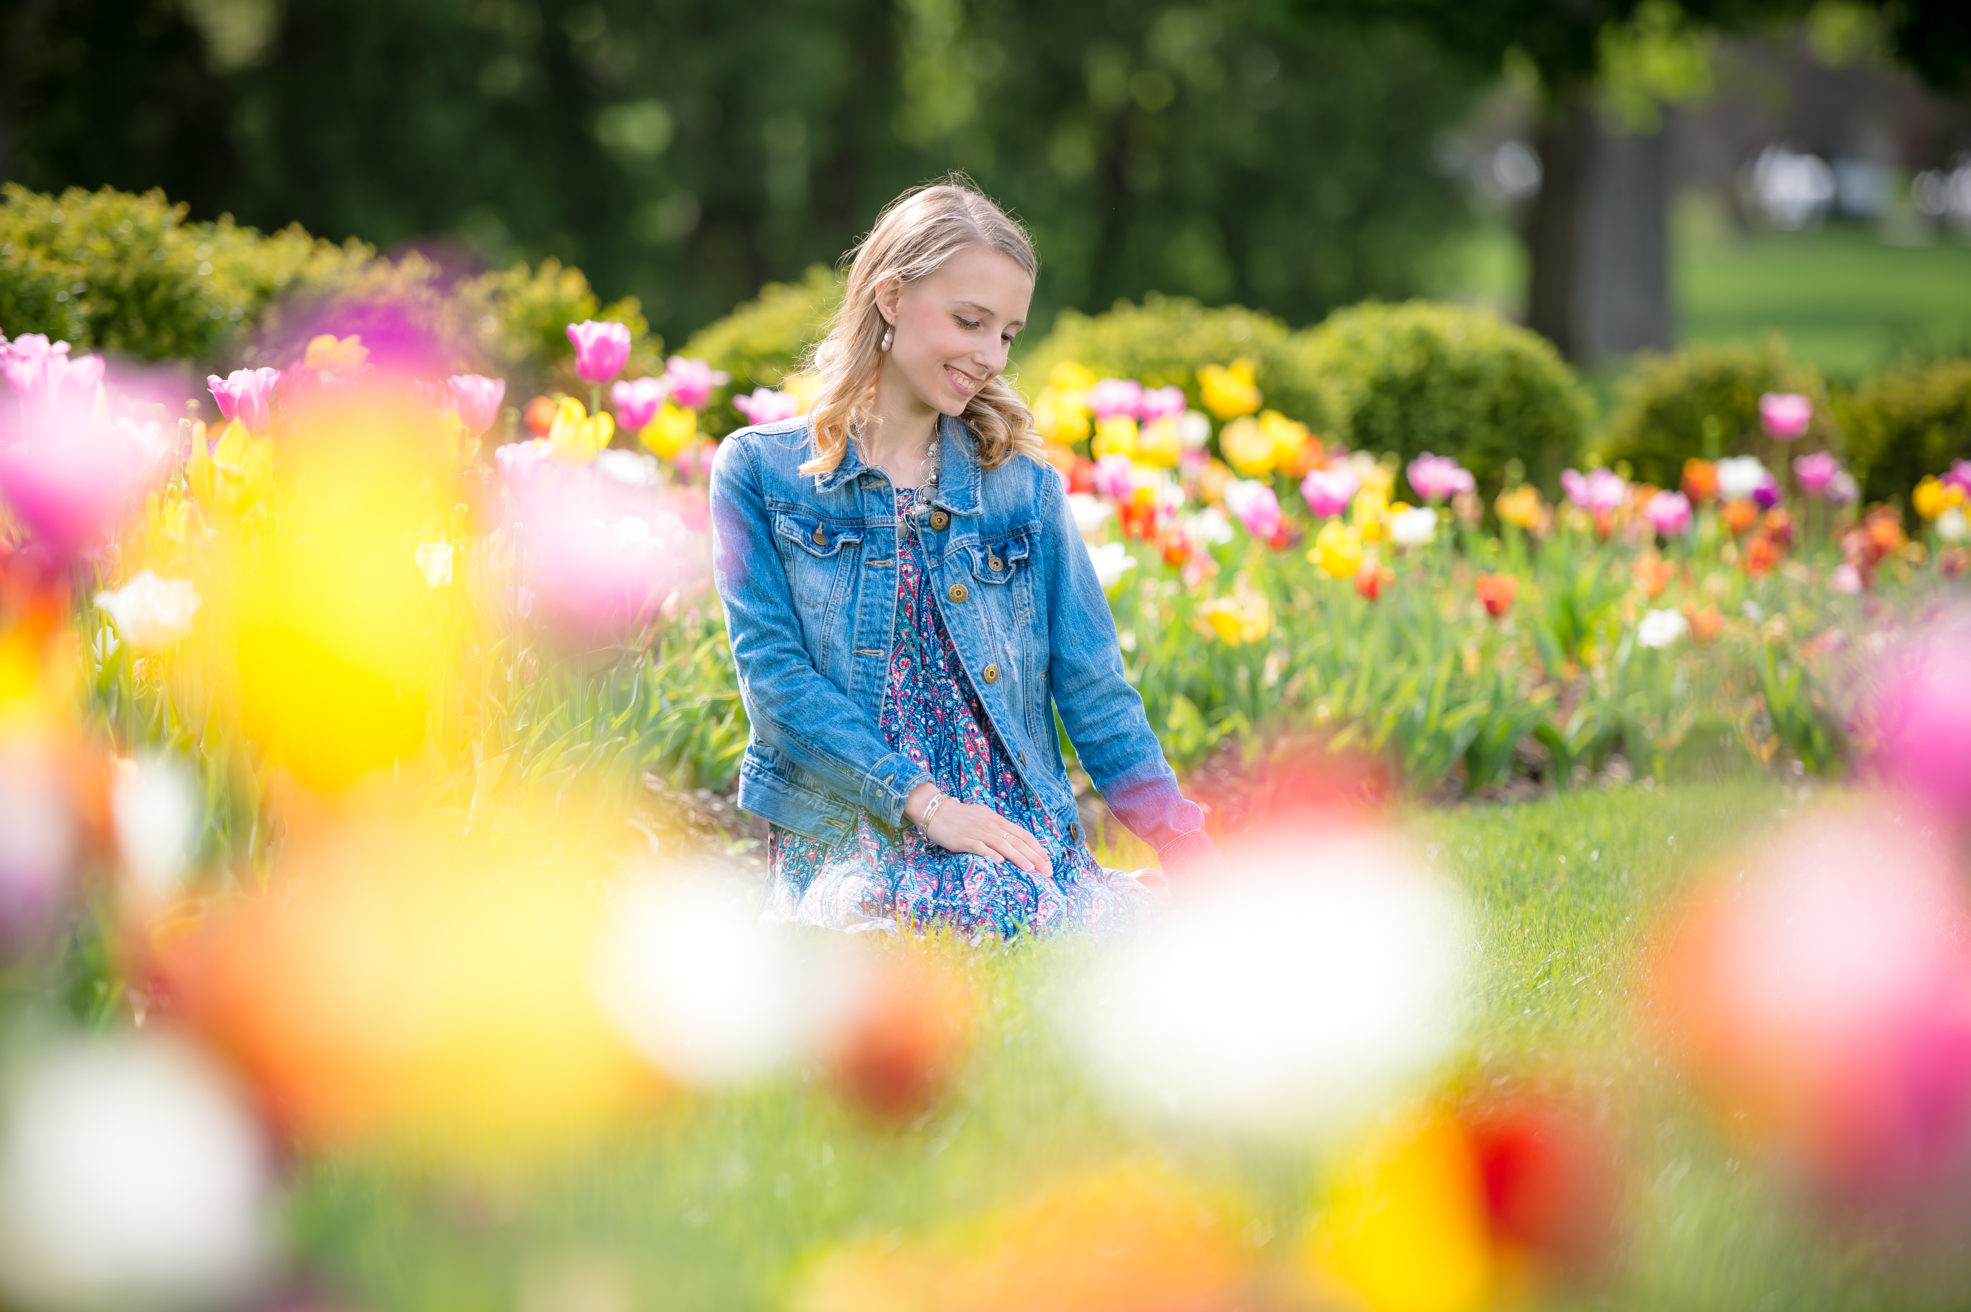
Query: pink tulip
pixel 1114 477
pixel 1160 403
pixel 601 349
pixel 1845 579
pixel 1842 490
pixel 246 395
pixel 1438 478
pixel 766 406
pixel 1328 491
pixel 1959 476
pixel 1785 415
pixel 477 399
pixel 692 382
pixel 1598 489
pixel 70 474
pixel 1115 396
pixel 1816 471
pixel 43 373
pixel 636 401
pixel 1669 513
pixel 1254 505
pixel 518 461
pixel 1922 720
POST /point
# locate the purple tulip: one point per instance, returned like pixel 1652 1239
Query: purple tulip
pixel 477 399
pixel 1161 403
pixel 766 406
pixel 1598 489
pixel 1115 396
pixel 1438 478
pixel 692 382
pixel 246 395
pixel 1816 471
pixel 1922 720
pixel 1766 495
pixel 601 349
pixel 1328 491
pixel 636 401
pixel 1785 415
pixel 1669 513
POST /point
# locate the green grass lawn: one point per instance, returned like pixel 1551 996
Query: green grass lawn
pixel 715 1205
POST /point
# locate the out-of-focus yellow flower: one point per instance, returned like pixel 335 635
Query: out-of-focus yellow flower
pixel 1160 443
pixel 330 354
pixel 1413 1186
pixel 1060 418
pixel 1337 550
pixel 803 387
pixel 1070 378
pixel 1520 506
pixel 1248 447
pixel 1115 436
pixel 1933 497
pixel 1378 478
pixel 577 436
pixel 1369 513
pixel 669 431
pixel 235 475
pixel 1238 620
pixel 1288 436
pixel 1228 391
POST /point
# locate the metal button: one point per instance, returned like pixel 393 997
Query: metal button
pixel 820 537
pixel 958 592
pixel 1075 828
pixel 995 561
pixel 990 674
pixel 939 519
pixel 1022 756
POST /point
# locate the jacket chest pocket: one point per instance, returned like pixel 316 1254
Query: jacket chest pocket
pixel 818 555
pixel 1003 568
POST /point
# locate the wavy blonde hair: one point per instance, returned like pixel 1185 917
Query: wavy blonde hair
pixel 913 237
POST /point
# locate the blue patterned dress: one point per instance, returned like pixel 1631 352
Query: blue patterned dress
pixel 875 878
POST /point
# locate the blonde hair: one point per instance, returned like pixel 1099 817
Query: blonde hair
pixel 913 237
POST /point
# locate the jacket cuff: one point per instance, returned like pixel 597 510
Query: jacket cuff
pixel 887 786
pixel 1187 851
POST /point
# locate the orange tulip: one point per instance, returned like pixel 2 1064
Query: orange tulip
pixel 1705 623
pixel 1700 481
pixel 1652 575
pixel 1740 516
pixel 1761 554
pixel 1496 592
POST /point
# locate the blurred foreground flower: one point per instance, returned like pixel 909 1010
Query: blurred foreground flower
pixel 1921 718
pixel 245 396
pixel 150 613
pixel 477 399
pixel 766 406
pixel 602 349
pixel 692 382
pixel 899 1041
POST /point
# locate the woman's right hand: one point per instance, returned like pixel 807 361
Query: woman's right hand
pixel 962 827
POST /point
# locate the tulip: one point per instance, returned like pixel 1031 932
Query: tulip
pixel 1922 719
pixel 1496 593
pixel 1248 447
pixel 1845 579
pixel 1114 436
pixel 517 461
pixel 1255 506
pixel 692 381
pixel 1842 490
pixel 670 432
pixel 1091 513
pixel 1238 620
pixel 1228 391
pixel 157 812
pixel 601 349
pixel 434 561
pixel 1668 513
pixel 1785 415
pixel 766 406
pixel 903 1043
pixel 45 376
pixel 1413 527
pixel 1815 472
pixel 245 395
pixel 1111 561
pixel 576 435
pixel 1114 477
pixel 1952 525
pixel 1521 507
pixel 636 401
pixel 1160 443
pixel 1337 550
pixel 1161 403
pixel 1598 489
pixel 1740 477
pixel 1652 574
pixel 70 474
pixel 1328 491
pixel 1059 417
pixel 1660 628
pixel 1933 497
pixel 477 399
pixel 1705 624
pixel 150 613
pixel 1959 476
pixel 539 415
pixel 1766 495
pixel 1371 579
pixel 629 468
pixel 1437 478
pixel 1115 396
pixel 1700 480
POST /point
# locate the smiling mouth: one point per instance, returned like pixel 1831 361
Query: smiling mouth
pixel 963 382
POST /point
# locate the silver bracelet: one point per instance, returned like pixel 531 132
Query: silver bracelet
pixel 937 800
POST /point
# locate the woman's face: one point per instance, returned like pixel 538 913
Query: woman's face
pixel 953 327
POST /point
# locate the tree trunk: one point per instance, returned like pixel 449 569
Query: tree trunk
pixel 1553 224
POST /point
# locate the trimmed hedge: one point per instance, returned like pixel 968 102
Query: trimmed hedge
pixel 1907 423
pixel 1704 401
pixel 764 340
pixel 1164 340
pixel 1424 376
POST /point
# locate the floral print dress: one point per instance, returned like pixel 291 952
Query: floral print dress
pixel 878 879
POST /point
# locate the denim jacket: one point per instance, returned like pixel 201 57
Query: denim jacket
pixel 805 565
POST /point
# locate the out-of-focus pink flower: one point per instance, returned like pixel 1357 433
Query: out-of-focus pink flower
pixel 45 375
pixel 246 395
pixel 1959 476
pixel 1254 505
pixel 1922 718
pixel 1598 489
pixel 477 399
pixel 1845 578
pixel 1328 491
pixel 1438 478
pixel 1115 396
pixel 766 406
pixel 1114 477
pixel 636 401
pixel 1842 490
pixel 1669 513
pixel 1160 403
pixel 1766 495
pixel 1785 415
pixel 1815 470
pixel 72 474
pixel 601 349
pixel 517 461
pixel 692 381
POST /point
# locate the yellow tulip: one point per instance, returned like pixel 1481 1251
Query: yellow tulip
pixel 670 430
pixel 235 475
pixel 1520 506
pixel 1059 418
pixel 1369 511
pixel 1288 437
pixel 1068 377
pixel 1238 620
pixel 1115 435
pixel 1380 479
pixel 1228 391
pixel 1159 443
pixel 1337 550
pixel 330 354
pixel 803 387
pixel 577 435
pixel 1933 497
pixel 1248 447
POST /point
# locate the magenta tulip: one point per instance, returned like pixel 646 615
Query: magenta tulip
pixel 766 406
pixel 73 475
pixel 1815 471
pixel 1114 477
pixel 1922 719
pixel 1160 403
pixel 1669 513
pixel 601 349
pixel 1115 396
pixel 1598 489
pixel 44 374
pixel 246 395
pixel 692 382
pixel 1439 478
pixel 1254 505
pixel 477 399
pixel 1785 415
pixel 1959 476
pixel 1328 491
pixel 636 401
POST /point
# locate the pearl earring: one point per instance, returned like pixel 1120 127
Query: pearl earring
pixel 889 335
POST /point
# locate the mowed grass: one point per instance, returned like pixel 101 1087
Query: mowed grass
pixel 719 1203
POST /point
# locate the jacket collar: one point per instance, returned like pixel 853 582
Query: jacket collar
pixel 959 474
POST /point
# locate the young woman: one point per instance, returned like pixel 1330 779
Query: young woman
pixel 908 602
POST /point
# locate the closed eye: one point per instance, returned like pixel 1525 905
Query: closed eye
pixel 963 322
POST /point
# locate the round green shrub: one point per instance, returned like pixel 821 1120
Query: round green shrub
pixel 1166 339
pixel 1703 401
pixel 1423 376
pixel 1906 423
pixel 764 340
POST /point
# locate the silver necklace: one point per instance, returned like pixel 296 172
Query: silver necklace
pixel 921 508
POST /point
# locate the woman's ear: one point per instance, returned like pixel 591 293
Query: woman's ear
pixel 889 294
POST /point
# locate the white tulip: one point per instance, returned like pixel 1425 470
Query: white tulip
pixel 1739 477
pixel 1091 514
pixel 1413 527
pixel 154 806
pixel 1207 526
pixel 434 561
pixel 1193 430
pixel 1112 560
pixel 1952 525
pixel 1660 628
pixel 630 468
pixel 151 613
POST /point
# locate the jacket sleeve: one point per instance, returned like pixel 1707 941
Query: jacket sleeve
pixel 1103 714
pixel 792 706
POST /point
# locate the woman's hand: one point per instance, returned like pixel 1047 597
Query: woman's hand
pixel 962 827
